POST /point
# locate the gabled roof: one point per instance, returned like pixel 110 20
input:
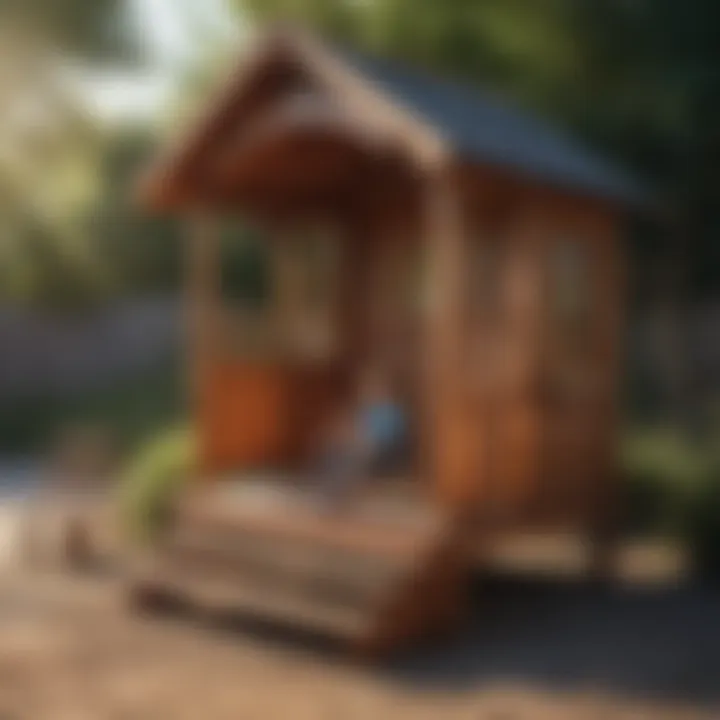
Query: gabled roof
pixel 479 126
pixel 470 123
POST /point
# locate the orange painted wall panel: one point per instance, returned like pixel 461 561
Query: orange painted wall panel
pixel 242 414
pixel 263 414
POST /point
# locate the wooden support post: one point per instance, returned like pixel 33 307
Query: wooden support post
pixel 352 292
pixel 611 285
pixel 448 436
pixel 519 409
pixel 203 308
pixel 288 292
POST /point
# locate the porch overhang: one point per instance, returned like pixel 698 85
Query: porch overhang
pixel 302 152
pixel 294 110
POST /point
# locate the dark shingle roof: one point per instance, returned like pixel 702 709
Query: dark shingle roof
pixel 481 127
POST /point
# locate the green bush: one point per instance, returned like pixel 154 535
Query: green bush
pixel 702 531
pixel 672 487
pixel 663 472
pixel 154 477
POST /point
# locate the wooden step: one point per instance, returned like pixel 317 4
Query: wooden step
pixel 294 578
pixel 374 581
pixel 211 591
pixel 351 578
pixel 321 546
pixel 383 537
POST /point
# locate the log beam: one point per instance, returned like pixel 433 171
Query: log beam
pixel 203 302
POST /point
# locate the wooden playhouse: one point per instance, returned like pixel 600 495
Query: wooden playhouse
pixel 470 248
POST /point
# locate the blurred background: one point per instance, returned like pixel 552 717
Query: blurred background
pixel 90 298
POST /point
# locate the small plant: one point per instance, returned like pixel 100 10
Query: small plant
pixel 152 481
pixel 672 487
pixel 663 472
pixel 703 528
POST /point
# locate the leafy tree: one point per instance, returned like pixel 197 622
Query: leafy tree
pixel 95 30
pixel 142 252
pixel 50 146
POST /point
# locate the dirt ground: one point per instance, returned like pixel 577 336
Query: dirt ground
pixel 70 650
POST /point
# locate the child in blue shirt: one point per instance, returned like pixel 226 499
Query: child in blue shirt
pixel 361 440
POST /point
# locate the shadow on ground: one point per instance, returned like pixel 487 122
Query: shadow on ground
pixel 648 643
pixel 660 644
